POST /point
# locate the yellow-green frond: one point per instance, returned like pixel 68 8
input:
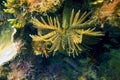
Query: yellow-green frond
pixel 77 20
pixel 90 32
pixel 43 25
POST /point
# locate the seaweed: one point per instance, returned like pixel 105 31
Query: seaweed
pixel 59 39
pixel 64 35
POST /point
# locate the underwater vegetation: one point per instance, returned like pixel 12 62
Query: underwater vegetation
pixel 108 12
pixel 59 39
pixel 67 36
pixel 22 9
pixel 44 6
pixel 20 70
